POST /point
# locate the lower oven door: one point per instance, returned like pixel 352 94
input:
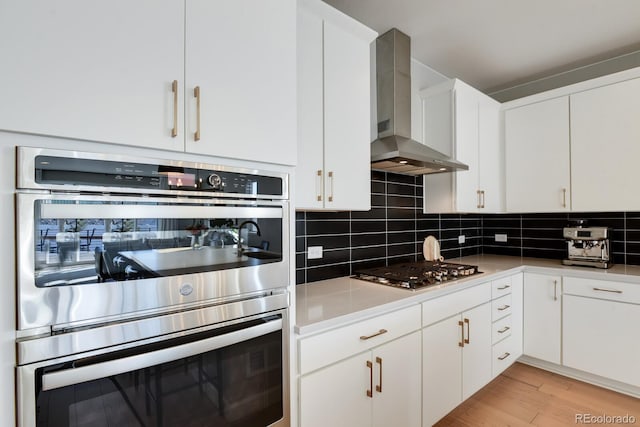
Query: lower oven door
pixel 230 376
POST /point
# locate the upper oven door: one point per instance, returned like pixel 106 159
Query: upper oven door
pixel 87 259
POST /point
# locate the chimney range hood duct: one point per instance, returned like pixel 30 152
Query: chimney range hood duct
pixel 394 150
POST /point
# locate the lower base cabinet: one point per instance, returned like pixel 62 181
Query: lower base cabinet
pixel 377 388
pixel 599 328
pixel 456 357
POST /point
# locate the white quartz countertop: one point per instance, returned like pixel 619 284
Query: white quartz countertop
pixel 330 303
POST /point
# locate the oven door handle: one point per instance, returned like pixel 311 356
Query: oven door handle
pixel 131 363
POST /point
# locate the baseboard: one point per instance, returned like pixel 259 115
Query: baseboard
pixel 582 376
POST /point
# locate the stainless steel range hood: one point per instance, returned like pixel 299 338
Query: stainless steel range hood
pixel 394 150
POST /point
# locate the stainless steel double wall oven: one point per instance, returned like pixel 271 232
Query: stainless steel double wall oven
pixel 150 292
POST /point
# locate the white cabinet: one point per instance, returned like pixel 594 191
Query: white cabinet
pixel 542 316
pixel 463 122
pixel 605 130
pixel 456 351
pixel 537 157
pixel 100 71
pixel 371 379
pixel 241 55
pixel 126 73
pixel 599 328
pixel 334 110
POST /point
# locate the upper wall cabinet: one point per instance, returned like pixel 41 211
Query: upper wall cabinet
pixel 537 157
pixel 334 110
pixel 605 147
pixel 217 76
pixel 464 123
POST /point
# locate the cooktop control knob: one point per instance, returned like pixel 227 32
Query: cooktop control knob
pixel 215 181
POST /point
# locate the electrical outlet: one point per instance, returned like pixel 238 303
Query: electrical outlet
pixel 501 237
pixel 314 252
pixel 461 239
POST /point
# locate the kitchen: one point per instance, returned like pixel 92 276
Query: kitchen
pixel 383 221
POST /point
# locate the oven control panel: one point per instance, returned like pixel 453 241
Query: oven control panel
pixel 113 175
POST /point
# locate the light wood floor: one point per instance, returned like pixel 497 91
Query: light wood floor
pixel 524 396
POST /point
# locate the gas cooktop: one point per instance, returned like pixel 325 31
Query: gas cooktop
pixel 416 275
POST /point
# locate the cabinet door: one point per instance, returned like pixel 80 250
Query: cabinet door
pixel 542 310
pixel 605 344
pixel 347 137
pixel 466 149
pixel 476 353
pixel 441 369
pixel 242 56
pixel 537 157
pixel 98 71
pixel 490 156
pixel 605 130
pixel 397 371
pixel 310 166
pixel 337 394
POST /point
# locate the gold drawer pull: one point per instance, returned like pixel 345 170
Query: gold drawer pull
pixel 503 330
pixel 461 342
pixel 380 332
pixel 615 291
pixel 504 356
pixel 379 386
pixel 467 340
pixel 370 390
pixel 504 287
pixel 504 307
pixel 174 90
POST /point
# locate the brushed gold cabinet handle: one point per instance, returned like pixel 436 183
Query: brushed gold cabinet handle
pixel 319 185
pixel 504 307
pixel 504 287
pixel 503 330
pixel 380 332
pixel 196 93
pixel 615 291
pixel 379 386
pixel 370 390
pixel 461 343
pixel 467 340
pixel 504 356
pixel 330 198
pixel 479 205
pixel 174 89
pixel 564 197
pixel 555 290
pixel 482 193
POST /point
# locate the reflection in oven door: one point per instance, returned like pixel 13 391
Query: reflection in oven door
pixel 230 376
pixel 138 254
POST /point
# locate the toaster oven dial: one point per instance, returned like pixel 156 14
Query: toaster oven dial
pixel 215 181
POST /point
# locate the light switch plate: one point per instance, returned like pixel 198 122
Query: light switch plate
pixel 314 252
pixel 501 237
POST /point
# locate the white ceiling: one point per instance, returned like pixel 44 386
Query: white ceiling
pixel 497 44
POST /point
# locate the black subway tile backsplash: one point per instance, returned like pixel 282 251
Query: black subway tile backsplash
pixel 394 229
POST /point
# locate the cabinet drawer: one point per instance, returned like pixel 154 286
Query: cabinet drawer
pixel 440 308
pixel 329 347
pixel 504 354
pixel 501 307
pixel 501 329
pixel 500 287
pixel 602 289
